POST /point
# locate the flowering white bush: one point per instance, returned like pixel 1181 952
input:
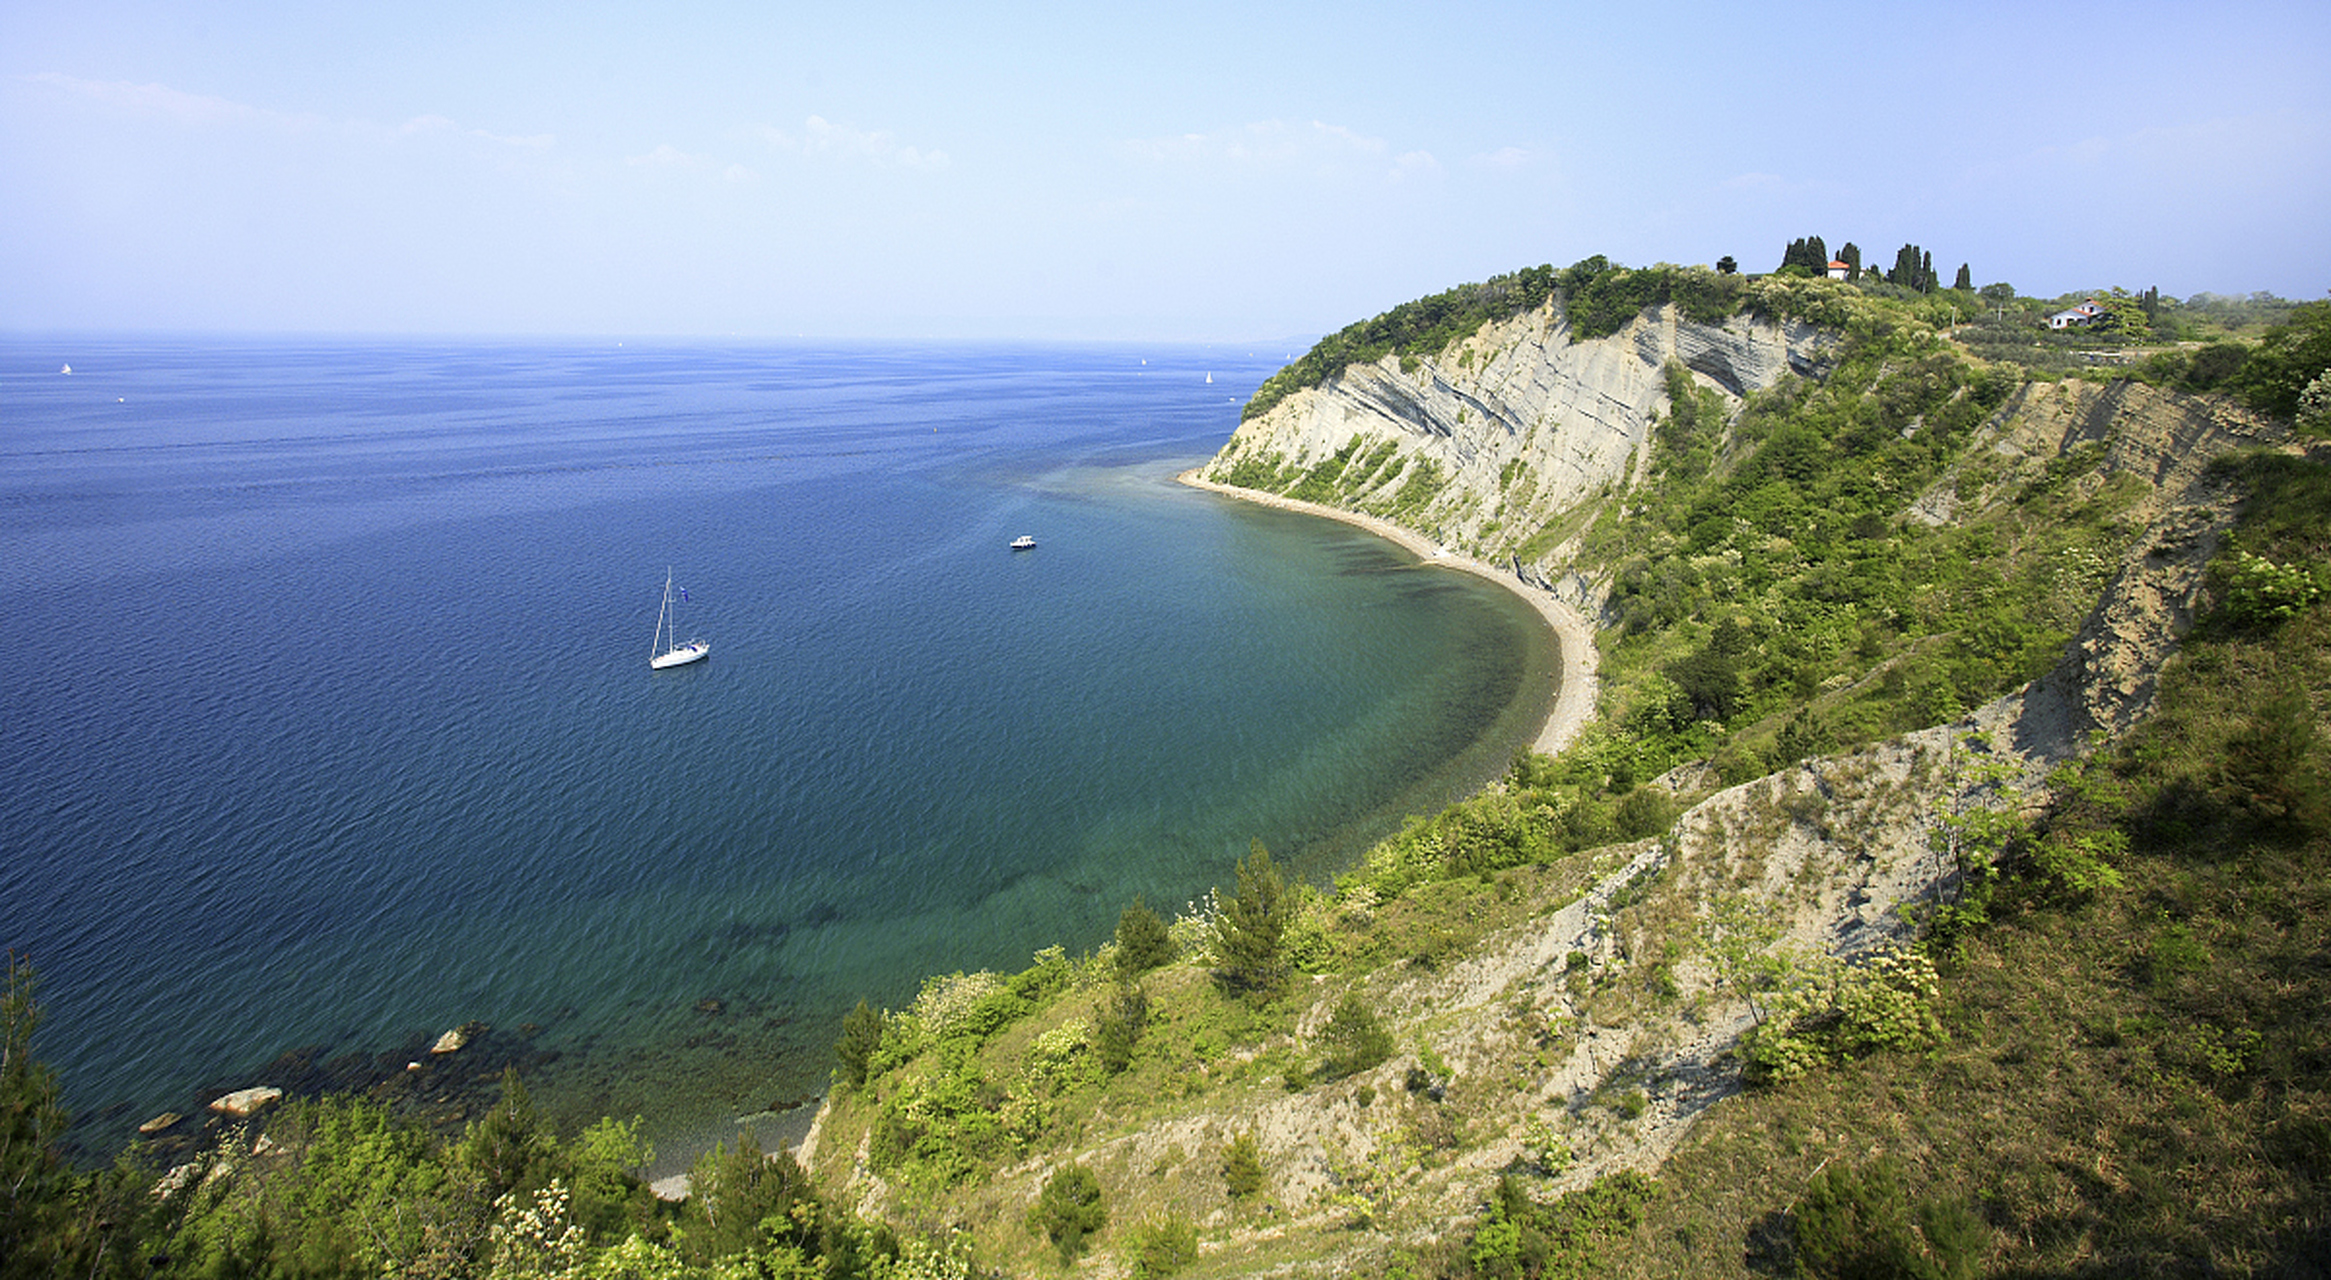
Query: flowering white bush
pixel 947 999
pixel 1838 1011
pixel 537 1239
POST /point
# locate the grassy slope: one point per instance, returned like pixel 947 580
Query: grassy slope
pixel 2136 1083
pixel 2130 1082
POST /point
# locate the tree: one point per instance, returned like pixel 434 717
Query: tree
pixel 2289 357
pixel 1353 1039
pixel 511 1148
pixel 1122 1019
pixel 1143 941
pixel 1851 255
pixel 1726 266
pixel 741 1200
pixel 1808 253
pixel 1242 1166
pixel 35 1218
pixel 1964 280
pixel 1913 269
pixel 1252 925
pixel 2122 314
pixel 861 1036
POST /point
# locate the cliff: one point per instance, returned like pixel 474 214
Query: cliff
pixel 1861 601
pixel 1515 426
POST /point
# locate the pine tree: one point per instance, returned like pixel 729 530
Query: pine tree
pixel 1248 934
pixel 1143 941
pixel 37 1228
pixel 861 1036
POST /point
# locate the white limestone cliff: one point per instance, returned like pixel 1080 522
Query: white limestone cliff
pixel 1524 422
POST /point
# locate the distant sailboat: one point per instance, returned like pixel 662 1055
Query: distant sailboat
pixel 66 369
pixel 1209 379
pixel 679 655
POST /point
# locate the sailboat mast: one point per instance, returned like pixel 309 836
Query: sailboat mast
pixel 662 611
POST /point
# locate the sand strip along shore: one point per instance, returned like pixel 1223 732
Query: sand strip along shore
pixel 1574 699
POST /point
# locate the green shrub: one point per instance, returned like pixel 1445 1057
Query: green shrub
pixel 2074 867
pixel 1161 1246
pixel 1144 942
pixel 1123 1017
pixel 1069 1209
pixel 1565 1240
pixel 2260 592
pixel 1856 1224
pixel 1837 1012
pixel 1353 1040
pixel 1242 1167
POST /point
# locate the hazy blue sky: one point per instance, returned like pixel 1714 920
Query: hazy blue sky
pixel 1187 171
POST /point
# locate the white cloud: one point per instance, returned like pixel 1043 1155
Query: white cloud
pixel 1506 158
pixel 667 156
pixel 1314 147
pixel 819 136
pixel 162 100
pixel 200 109
pixel 1415 164
pixel 530 142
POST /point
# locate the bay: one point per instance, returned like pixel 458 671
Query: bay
pixel 333 725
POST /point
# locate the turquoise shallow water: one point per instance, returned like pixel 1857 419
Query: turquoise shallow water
pixel 335 724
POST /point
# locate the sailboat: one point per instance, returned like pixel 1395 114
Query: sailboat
pixel 679 655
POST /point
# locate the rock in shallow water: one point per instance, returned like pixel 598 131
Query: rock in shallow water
pixel 243 1102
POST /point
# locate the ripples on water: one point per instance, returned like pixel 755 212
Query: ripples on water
pixel 334 722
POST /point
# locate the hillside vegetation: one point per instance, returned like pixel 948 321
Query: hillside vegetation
pixel 1940 891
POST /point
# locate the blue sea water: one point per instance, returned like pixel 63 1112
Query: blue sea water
pixel 331 720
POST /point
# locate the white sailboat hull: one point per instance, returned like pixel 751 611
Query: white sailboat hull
pixel 694 651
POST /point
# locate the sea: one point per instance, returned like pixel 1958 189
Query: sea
pixel 331 725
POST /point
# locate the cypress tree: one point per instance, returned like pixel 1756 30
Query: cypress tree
pixel 1965 281
pixel 1851 255
pixel 1906 272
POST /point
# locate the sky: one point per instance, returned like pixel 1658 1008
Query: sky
pixel 1192 172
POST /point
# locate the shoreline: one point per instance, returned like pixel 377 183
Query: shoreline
pixel 1574 696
